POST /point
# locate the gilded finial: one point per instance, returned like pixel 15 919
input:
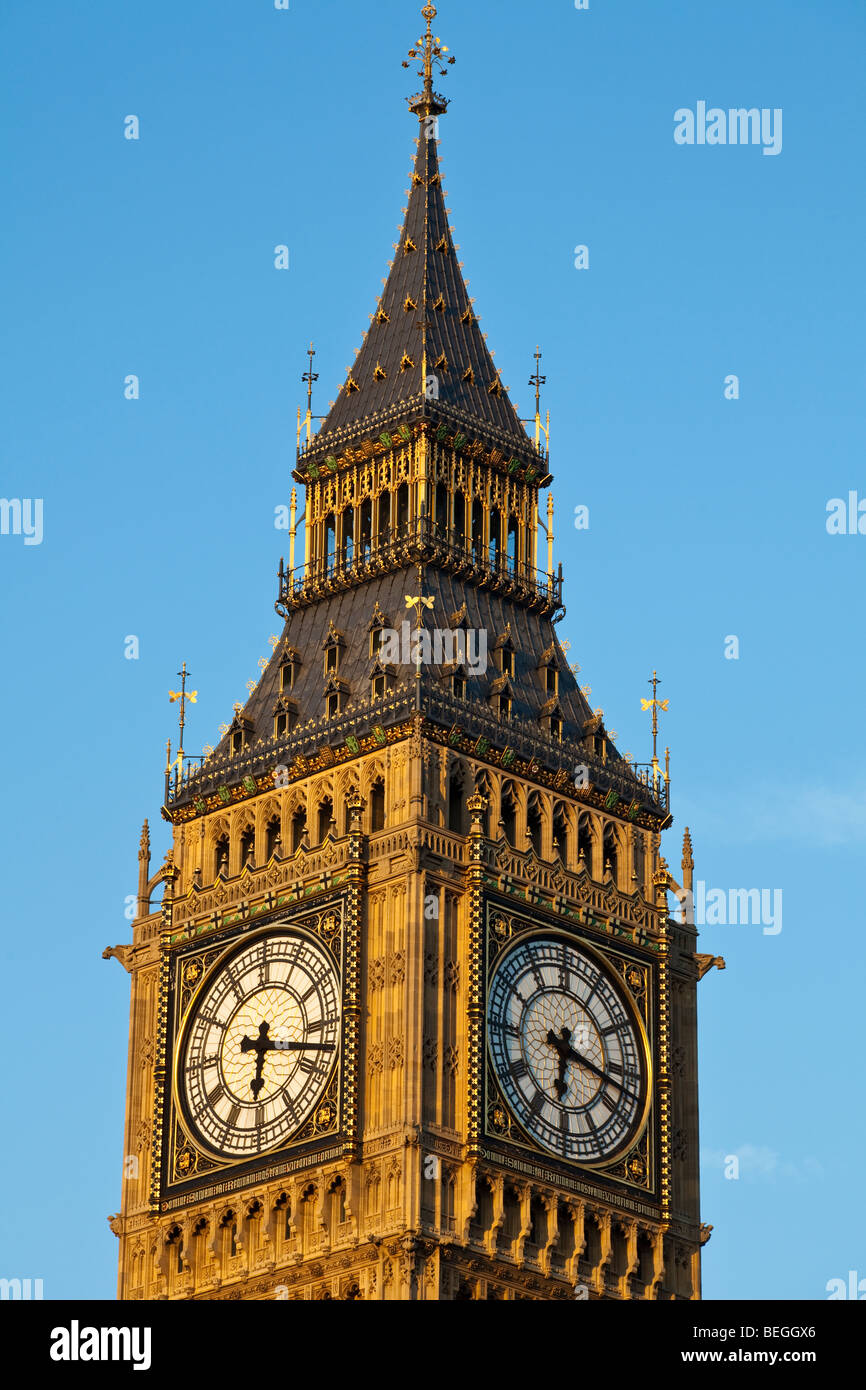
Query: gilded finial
pixel 688 862
pixel 431 51
pixel 655 705
pixel 182 695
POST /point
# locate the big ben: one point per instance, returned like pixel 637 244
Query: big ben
pixel 410 1019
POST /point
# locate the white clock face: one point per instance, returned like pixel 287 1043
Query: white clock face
pixel 259 1045
pixel 567 1050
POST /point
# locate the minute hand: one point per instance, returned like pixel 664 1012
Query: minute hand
pixel 605 1076
pixel 302 1047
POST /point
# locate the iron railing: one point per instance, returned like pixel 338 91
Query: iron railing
pixel 419 541
pixel 442 707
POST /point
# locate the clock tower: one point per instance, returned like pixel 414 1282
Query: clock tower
pixel 411 1020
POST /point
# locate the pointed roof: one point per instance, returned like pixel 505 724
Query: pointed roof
pixel 424 354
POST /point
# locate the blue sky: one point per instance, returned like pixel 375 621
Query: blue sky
pixel 707 515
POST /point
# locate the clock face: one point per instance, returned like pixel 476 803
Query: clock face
pixel 259 1045
pixel 567 1050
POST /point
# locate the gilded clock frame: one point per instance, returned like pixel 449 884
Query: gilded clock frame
pixel 176 1141
pixel 636 1163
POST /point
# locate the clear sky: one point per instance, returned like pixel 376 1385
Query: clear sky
pixel 155 257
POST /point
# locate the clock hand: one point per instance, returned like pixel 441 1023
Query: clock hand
pixel 562 1047
pixel 263 1044
pixel 567 1053
pixel 260 1046
pixel 605 1076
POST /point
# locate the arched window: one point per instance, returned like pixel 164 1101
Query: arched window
pixel 477 532
pixel 199 1243
pixel 645 1258
pixel 365 533
pixel 384 517
pixel 229 1229
pixel 560 834
pixel 443 509
pixel 335 1209
pixel 611 853
pixel 447 1199
pixel 513 542
pixel 402 506
pixel 639 869
pixel 248 847
pixel 509 814
pixel 308 1211
pixel 334 703
pixel 455 802
pixel 495 550
pixel 458 524
pixel 174 1241
pixel 348 546
pixel 377 806
pixel 299 828
pixel 273 843
pixel 221 857
pixel 584 844
pixel 283 1209
pixel 484 1205
pixel 330 542
pixel 324 817
pixel 565 1248
pixel 538 1222
pixel 511 1221
pixel 592 1236
pixel 533 826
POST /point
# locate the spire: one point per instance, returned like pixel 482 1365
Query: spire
pixel 424 354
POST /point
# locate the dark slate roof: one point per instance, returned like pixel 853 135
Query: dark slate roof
pixel 426 271
pixel 352 613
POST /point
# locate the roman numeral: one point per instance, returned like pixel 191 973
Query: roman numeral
pixel 216 1095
